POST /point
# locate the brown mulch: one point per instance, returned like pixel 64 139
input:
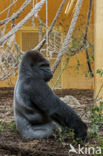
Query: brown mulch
pixel 11 143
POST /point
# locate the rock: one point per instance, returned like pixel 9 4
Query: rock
pixel 72 101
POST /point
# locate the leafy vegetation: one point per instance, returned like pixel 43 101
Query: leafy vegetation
pixel 4 126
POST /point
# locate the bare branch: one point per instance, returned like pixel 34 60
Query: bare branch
pixel 72 53
pixel 68 36
pixel 21 23
pixel 15 15
pixel 86 36
pixel 88 21
pixel 40 45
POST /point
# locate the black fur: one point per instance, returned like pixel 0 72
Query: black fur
pixel 37 108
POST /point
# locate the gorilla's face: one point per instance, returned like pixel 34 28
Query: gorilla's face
pixel 34 64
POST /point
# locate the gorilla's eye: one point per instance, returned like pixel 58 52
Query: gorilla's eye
pixel 44 65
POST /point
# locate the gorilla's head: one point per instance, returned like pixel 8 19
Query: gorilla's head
pixel 35 65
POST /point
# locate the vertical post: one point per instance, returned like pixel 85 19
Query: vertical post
pixel 98 34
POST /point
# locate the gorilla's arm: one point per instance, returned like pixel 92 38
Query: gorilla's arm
pixel 46 100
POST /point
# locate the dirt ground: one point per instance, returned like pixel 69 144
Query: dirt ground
pixel 11 144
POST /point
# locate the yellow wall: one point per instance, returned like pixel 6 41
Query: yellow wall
pixel 98 47
pixel 76 78
pixel 71 78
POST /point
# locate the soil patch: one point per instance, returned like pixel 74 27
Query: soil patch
pixel 11 143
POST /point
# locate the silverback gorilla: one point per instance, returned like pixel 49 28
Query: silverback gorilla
pixel 36 107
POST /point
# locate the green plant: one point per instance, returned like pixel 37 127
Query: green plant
pixel 96 118
pixel 4 126
pixel 100 72
pixel 63 134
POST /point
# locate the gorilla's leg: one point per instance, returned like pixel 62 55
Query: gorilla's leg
pixel 38 132
pixel 34 131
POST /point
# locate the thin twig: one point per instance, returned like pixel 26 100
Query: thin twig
pixel 86 36
pixel 66 62
pixel 61 72
pixel 96 98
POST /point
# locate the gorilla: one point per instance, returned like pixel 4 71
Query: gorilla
pixel 37 110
